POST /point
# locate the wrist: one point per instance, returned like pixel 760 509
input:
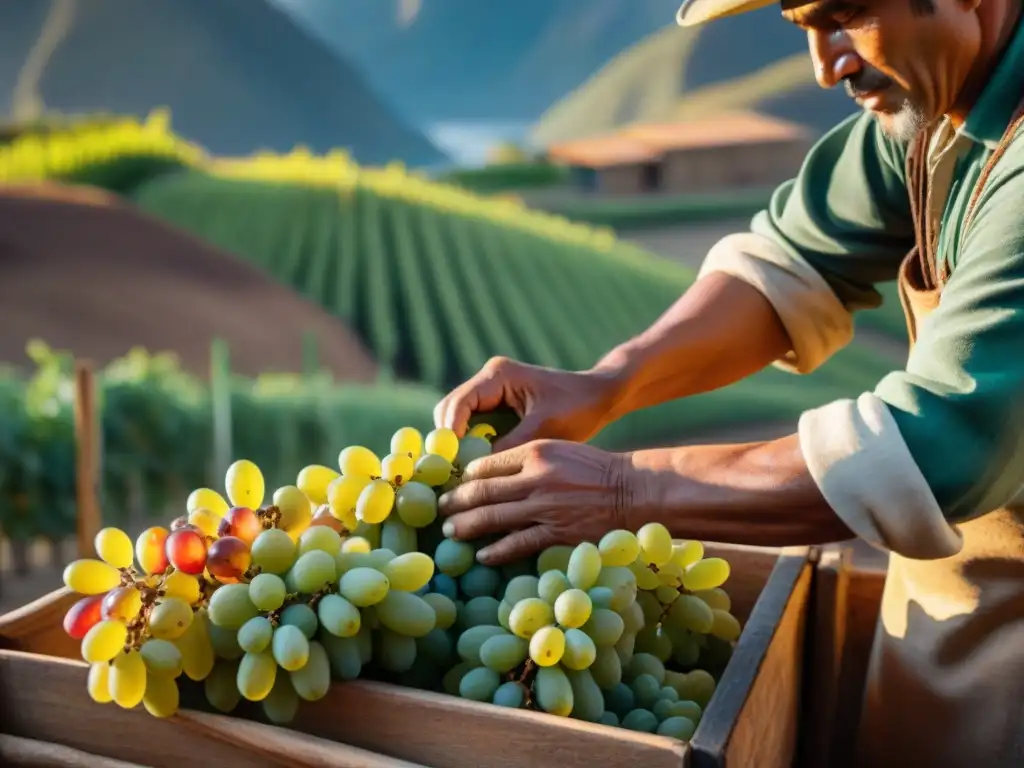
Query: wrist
pixel 614 376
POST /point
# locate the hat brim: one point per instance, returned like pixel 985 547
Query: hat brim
pixel 694 12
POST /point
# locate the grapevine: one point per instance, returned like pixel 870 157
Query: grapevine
pixel 346 574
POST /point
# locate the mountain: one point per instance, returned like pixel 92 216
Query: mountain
pixel 237 75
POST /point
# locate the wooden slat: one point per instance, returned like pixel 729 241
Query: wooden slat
pixel 87 458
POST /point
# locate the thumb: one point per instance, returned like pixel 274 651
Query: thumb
pixel 526 431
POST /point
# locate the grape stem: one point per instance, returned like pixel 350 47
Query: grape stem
pixel 269 517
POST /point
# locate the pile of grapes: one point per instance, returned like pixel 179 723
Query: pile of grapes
pixel 333 580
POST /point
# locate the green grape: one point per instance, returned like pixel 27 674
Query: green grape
pixel 600 597
pixel 547 646
pixel 551 585
pixel 454 558
pixel 666 595
pixel 314 570
pixel 363 586
pixel 343 654
pixel 406 613
pixel 396 652
pixel 313 679
pixel 655 544
pixel 530 615
pixel 256 634
pixel 290 647
pixel 677 727
pixel 650 607
pixel 670 575
pixel 607 667
pixel 553 692
pixel 654 641
pixel 633 618
pixel 520 588
pixel 479 684
pixel 618 548
pixel 504 614
pixel 479 610
pixel 197 657
pixel 442 442
pixel 346 561
pixel 620 699
pixel 470 449
pixel 554 558
pixel 641 720
pixel 379 557
pixel 230 606
pixel 587 699
pixel 161 657
pixel 416 504
pixel 221 686
pixel 471 641
pixel 480 581
pixel 444 609
pixel 706 574
pixel 625 647
pixel 267 591
pixel 689 709
pixel 409 572
pixel 503 652
pixel 320 537
pixel 646 689
pixel 397 536
pixel 725 626
pixel 375 502
pixel 685 650
pixel 609 718
pixel 511 695
pixel 161 697
pixel 282 703
pixel 573 608
pixel 686 554
pixel 697 686
pixel 408 441
pixel 371 533
pixel 580 650
pixel 338 616
pixel 644 664
pixel 605 627
pixel 692 613
pixel 302 616
pixel 717 599
pixel 127 679
pixel 104 641
pixel 584 566
pixel 662 708
pixel 171 617
pixel 357 460
pixel 622 582
pixel 369 618
pixel 437 647
pixel 668 693
pixel 225 643
pixel 256 675
pixel 432 471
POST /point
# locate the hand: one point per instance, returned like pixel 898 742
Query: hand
pixel 539 494
pixel 551 404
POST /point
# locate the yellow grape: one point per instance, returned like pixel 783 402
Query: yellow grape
pixel 409 572
pixel 529 615
pixel 725 626
pixel 670 574
pixel 91 577
pixel 442 442
pixel 655 544
pixel 397 468
pixel 355 544
pixel 343 494
pixel 686 554
pixel 244 484
pixel 182 586
pixel 128 679
pixel 573 608
pixel 98 684
pixel 170 618
pixel 114 547
pixel 408 441
pixel 122 604
pixel 717 599
pixel 619 547
pixel 486 431
pixel 295 508
pixel 547 646
pixel 205 520
pixel 706 574
pixel 357 460
pixel 375 502
pixel 196 646
pixel 150 550
pixel 208 499
pixel 161 698
pixel 314 481
pixel 256 675
pixel 104 641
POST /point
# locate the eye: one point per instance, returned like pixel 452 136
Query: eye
pixel 846 14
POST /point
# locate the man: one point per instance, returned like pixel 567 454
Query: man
pixel 926 186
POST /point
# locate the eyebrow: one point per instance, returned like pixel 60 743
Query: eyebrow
pixel 818 14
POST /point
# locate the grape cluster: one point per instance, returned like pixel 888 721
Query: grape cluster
pixel 347 574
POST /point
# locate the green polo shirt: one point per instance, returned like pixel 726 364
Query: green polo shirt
pixel 959 404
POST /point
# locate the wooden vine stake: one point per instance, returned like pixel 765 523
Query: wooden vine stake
pixel 87 458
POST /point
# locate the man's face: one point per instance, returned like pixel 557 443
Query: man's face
pixel 905 61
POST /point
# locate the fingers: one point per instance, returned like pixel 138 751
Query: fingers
pixel 500 464
pixel 483 392
pixel 476 523
pixel 480 493
pixel 522 434
pixel 518 545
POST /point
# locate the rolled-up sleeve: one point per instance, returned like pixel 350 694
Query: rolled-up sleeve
pixel 826 239
pixel 942 441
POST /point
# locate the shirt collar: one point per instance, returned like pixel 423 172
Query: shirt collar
pixel 987 121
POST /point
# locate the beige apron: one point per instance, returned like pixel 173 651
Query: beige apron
pixel 945 684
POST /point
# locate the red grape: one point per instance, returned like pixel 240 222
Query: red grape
pixel 323 516
pixel 123 604
pixel 228 559
pixel 242 523
pixel 150 550
pixel 186 551
pixel 83 616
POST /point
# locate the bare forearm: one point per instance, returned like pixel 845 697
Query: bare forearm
pixel 720 331
pixel 758 493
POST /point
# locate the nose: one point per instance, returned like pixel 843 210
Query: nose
pixel 834 57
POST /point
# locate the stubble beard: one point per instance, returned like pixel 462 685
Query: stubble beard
pixel 905 124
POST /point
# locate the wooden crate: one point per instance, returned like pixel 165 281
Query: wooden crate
pixel 751 721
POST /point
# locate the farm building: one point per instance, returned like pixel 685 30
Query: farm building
pixel 727 151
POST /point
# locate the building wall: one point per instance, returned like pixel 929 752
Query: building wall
pixel 715 169
pixel 621 179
